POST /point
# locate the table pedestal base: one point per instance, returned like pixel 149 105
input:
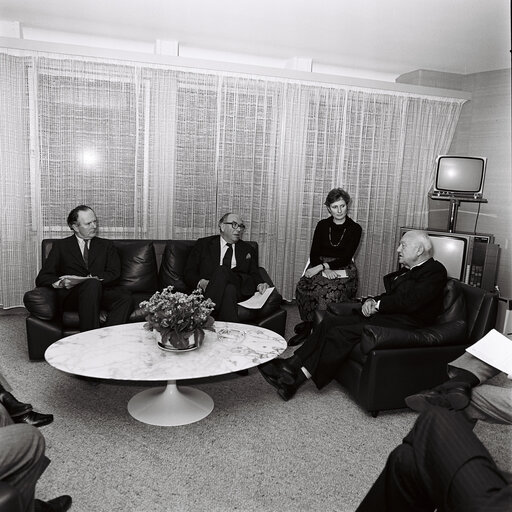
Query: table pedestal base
pixel 170 406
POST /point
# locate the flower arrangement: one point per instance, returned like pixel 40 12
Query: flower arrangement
pixel 176 316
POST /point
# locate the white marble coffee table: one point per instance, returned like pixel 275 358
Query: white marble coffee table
pixel 129 352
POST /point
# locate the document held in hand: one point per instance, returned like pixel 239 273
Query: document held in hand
pixel 494 349
pixel 257 300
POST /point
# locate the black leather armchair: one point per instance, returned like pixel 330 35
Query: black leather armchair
pixel 390 364
pixel 146 266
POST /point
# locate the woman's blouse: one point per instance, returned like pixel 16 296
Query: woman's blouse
pixel 338 241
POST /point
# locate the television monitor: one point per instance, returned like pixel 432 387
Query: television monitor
pixel 460 176
pixel 451 251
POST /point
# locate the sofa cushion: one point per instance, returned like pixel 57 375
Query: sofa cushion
pixel 138 265
pixel 173 264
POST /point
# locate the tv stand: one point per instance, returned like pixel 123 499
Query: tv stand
pixel 454 207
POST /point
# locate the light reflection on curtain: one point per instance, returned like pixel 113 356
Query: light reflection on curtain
pixel 163 153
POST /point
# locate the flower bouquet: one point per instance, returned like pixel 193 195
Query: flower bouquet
pixel 180 319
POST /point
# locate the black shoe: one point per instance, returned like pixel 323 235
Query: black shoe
pixel 456 398
pixel 14 407
pixel 60 504
pixel 276 367
pixel 288 385
pixel 34 418
pixel 299 338
pixel 302 326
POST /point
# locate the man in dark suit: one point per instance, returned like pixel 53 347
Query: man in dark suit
pixel 225 268
pixel 441 465
pixel 84 269
pixel 413 299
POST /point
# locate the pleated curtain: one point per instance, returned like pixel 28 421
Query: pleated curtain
pixel 162 152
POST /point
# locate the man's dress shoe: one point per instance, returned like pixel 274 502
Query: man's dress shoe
pixel 298 338
pixel 34 418
pixel 13 406
pixel 282 376
pixel 60 504
pixel 455 398
pixel 273 369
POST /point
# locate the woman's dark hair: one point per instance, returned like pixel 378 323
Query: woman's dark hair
pixel 73 214
pixel 335 195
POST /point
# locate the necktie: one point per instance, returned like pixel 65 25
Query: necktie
pixel 228 255
pixel 86 253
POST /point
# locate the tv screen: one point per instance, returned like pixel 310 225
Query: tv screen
pixel 460 175
pixel 451 252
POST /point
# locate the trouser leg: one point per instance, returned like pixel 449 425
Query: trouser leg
pixel 490 403
pixel 440 465
pixel 118 303
pixel 398 488
pixel 224 289
pixel 329 345
pixel 86 298
pixel 22 459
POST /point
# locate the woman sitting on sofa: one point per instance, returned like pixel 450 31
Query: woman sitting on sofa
pixel 335 241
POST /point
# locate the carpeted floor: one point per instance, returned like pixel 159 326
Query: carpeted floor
pixel 254 452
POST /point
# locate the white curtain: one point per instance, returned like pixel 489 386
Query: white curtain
pixel 162 152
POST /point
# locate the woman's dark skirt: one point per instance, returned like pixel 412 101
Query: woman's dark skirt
pixel 317 292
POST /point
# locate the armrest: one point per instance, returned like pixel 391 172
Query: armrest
pixel 274 301
pixel 343 308
pixel 265 278
pixel 375 337
pixel 41 302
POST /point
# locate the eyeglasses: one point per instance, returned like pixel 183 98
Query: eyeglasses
pixel 235 225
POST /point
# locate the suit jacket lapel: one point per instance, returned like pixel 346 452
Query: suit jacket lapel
pixel 215 251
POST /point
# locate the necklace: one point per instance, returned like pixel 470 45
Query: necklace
pixel 339 241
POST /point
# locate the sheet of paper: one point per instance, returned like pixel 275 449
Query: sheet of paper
pixel 77 279
pixel 494 349
pixel 257 300
pixel 340 273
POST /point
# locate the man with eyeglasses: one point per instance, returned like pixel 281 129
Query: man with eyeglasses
pixel 225 268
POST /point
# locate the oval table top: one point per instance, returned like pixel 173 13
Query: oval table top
pixel 129 352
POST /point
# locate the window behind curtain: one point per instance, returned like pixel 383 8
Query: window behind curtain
pixel 91 149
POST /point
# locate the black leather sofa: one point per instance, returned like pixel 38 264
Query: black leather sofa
pixel 390 364
pixel 146 266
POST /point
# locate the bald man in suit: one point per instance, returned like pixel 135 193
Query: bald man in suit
pixel 413 299
pixel 84 269
pixel 225 268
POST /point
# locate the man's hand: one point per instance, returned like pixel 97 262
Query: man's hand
pixel 262 287
pixel 202 284
pixel 71 281
pixel 369 307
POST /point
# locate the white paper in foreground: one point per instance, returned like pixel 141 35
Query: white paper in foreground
pixel 257 300
pixel 494 349
pixel 340 273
